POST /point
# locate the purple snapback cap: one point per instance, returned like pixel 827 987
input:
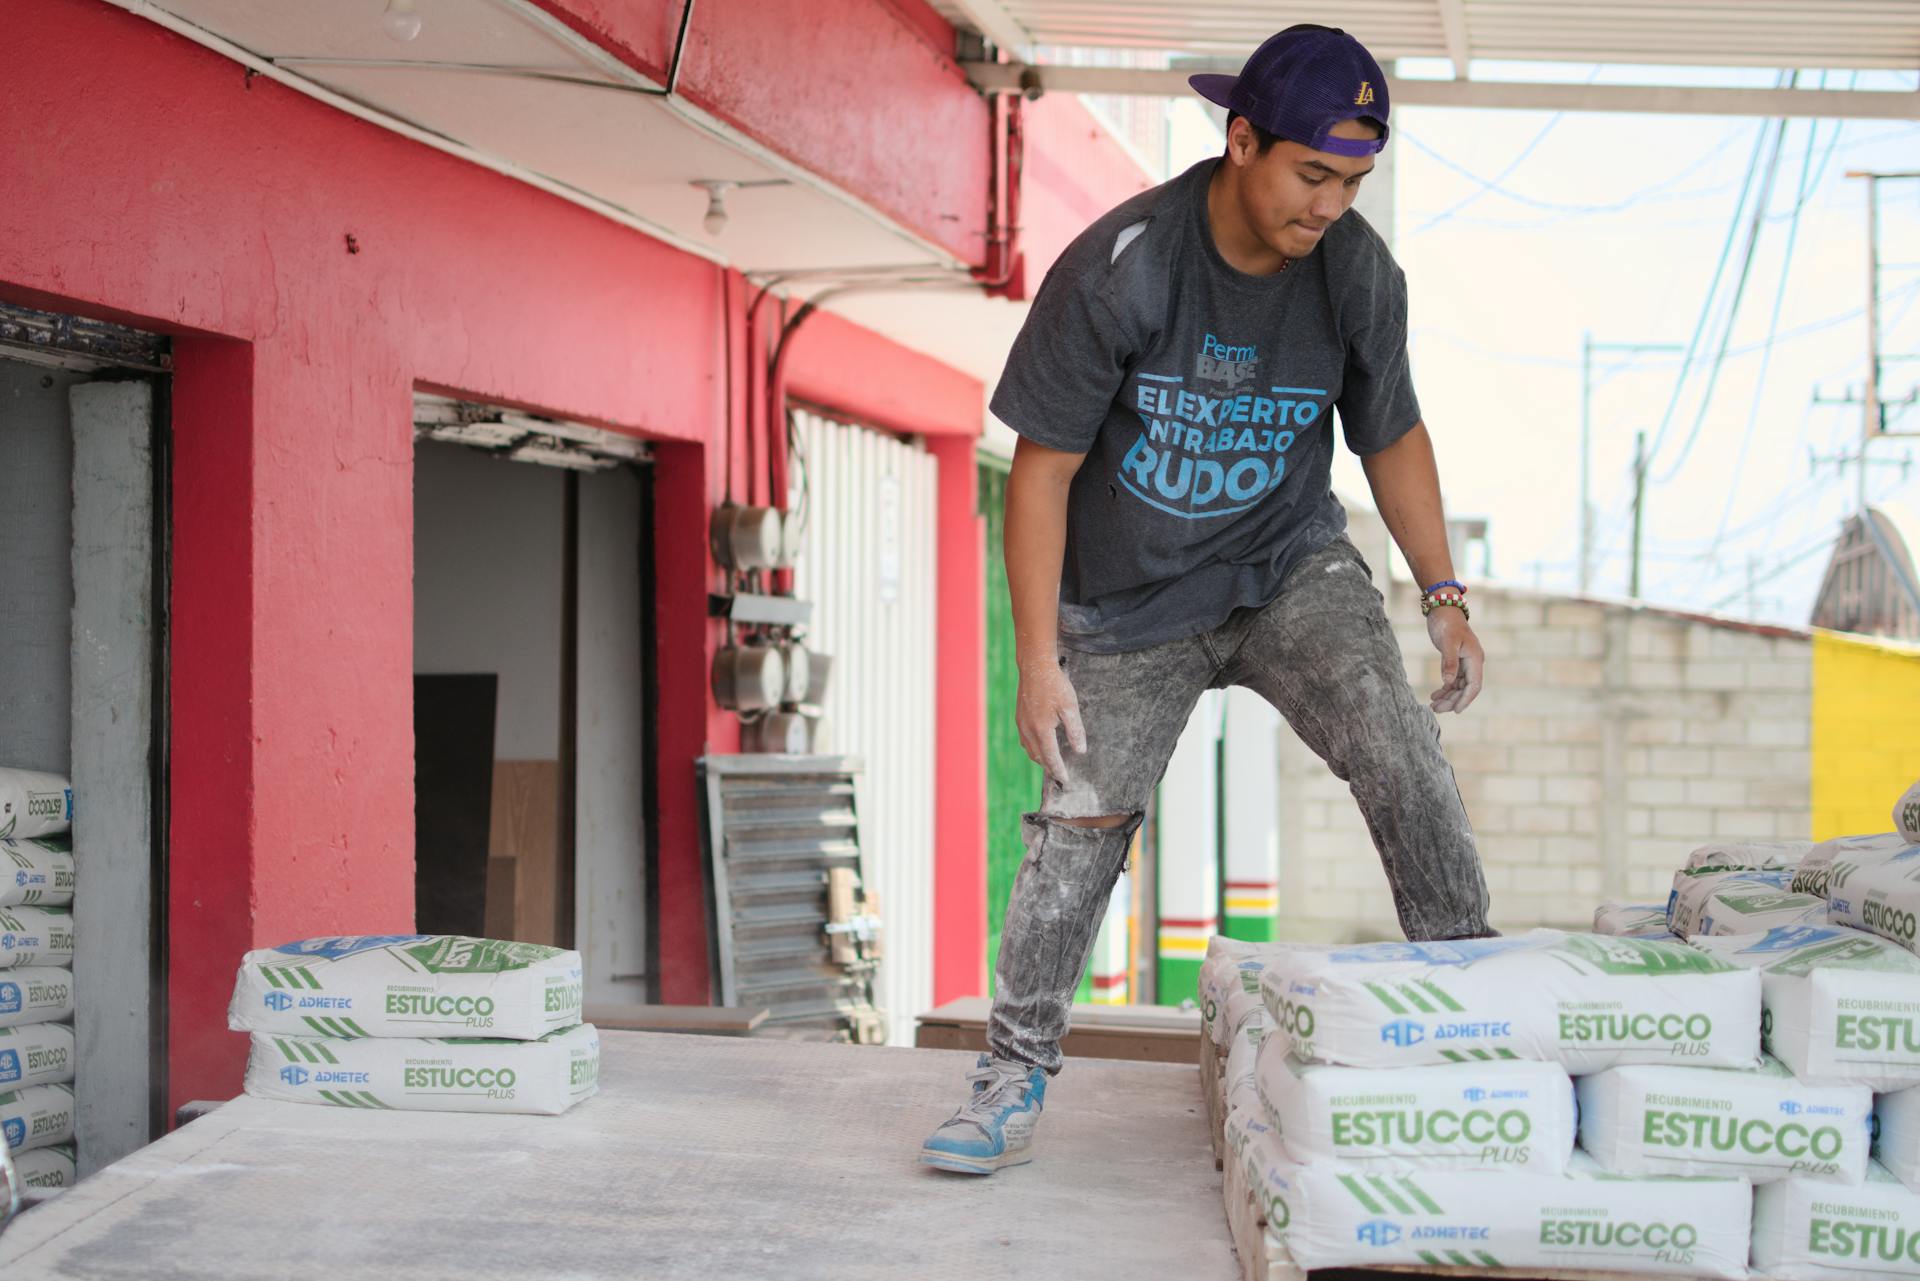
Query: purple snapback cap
pixel 1301 83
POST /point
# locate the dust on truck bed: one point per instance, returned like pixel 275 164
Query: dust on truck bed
pixel 700 1157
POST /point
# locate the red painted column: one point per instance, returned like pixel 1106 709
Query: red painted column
pixel 960 718
pixel 210 752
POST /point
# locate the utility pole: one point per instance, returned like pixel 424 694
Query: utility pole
pixel 1873 407
pixel 1639 507
pixel 1587 348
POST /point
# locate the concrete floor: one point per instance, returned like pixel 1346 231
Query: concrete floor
pixel 701 1157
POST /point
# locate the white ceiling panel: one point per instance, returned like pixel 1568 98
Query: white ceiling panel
pixel 1863 34
pixel 479 32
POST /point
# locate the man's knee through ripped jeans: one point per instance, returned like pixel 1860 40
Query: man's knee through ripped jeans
pixel 1058 902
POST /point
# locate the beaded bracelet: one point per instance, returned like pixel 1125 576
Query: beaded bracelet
pixel 1445 582
pixel 1429 603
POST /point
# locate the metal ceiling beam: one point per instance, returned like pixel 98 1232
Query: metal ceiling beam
pixel 1453 22
pixel 992 20
pixel 1828 104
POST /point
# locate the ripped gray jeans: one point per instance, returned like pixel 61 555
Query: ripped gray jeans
pixel 1324 655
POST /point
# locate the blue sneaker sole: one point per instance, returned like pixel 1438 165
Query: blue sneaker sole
pixel 972 1165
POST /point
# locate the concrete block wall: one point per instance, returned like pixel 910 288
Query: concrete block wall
pixel 1609 741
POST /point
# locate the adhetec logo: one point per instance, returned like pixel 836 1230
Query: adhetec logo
pixel 277 1000
pixel 1377 1232
pixel 1790 1107
pixel 1473 1095
pixel 1403 1032
pixel 16 1131
pixel 294 1075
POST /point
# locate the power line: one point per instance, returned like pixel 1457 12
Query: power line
pixel 1713 288
pixel 1773 327
pixel 1739 292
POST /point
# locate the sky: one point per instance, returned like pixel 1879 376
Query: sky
pixel 1520 231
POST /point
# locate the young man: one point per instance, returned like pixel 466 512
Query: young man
pixel 1171 528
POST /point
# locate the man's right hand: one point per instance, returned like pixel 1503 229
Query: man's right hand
pixel 1045 705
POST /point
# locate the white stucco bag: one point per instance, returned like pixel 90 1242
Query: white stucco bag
pixel 1906 814
pixel 1897 1143
pixel 1631 920
pixel 1715 902
pixel 1749 856
pixel 1268 1174
pixel 1809 1231
pixel 1243 1059
pixel 34 804
pixel 1717 1123
pixel 36 1117
pixel 1810 877
pixel 544 1077
pixel 36 872
pixel 1510 1114
pixel 47 1168
pixel 407 985
pixel 35 994
pixel 1879 895
pixel 1585 1001
pixel 37 1054
pixel 35 936
pixel 1841 1006
pixel 1584 1219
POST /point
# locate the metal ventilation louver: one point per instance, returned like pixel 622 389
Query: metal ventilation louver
pixel 779 831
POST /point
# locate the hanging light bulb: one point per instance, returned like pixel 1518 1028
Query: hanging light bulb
pixel 716 218
pixel 400 21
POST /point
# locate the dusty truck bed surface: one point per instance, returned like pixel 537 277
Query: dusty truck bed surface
pixel 700 1157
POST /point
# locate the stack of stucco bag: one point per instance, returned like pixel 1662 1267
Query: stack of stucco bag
pixel 1416 1106
pixel 437 1023
pixel 36 976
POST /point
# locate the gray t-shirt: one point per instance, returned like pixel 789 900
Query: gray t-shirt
pixel 1200 395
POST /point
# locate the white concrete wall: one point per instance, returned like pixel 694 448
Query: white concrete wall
pixel 488 555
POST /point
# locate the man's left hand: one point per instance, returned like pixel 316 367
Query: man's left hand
pixel 1462 661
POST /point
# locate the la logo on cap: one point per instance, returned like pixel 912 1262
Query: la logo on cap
pixel 1365 96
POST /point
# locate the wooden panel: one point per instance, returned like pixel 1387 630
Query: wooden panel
pixel 502 896
pixel 526 829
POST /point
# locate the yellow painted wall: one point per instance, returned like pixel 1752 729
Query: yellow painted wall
pixel 1866 732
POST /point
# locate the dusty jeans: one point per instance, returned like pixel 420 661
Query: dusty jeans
pixel 1324 655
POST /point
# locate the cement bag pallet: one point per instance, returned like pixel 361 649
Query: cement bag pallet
pixel 1749 856
pixel 1583 1220
pixel 1584 1001
pixel 47 1168
pixel 544 1077
pixel 1714 902
pixel 1879 895
pixel 35 994
pixel 1811 876
pixel 37 1117
pixel 37 872
pixel 1897 1145
pixel 1807 1231
pixel 1906 814
pixel 1717 1123
pixel 34 804
pixel 38 1054
pixel 1632 920
pixel 35 936
pixel 408 985
pixel 1841 1006
pixel 1472 1116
